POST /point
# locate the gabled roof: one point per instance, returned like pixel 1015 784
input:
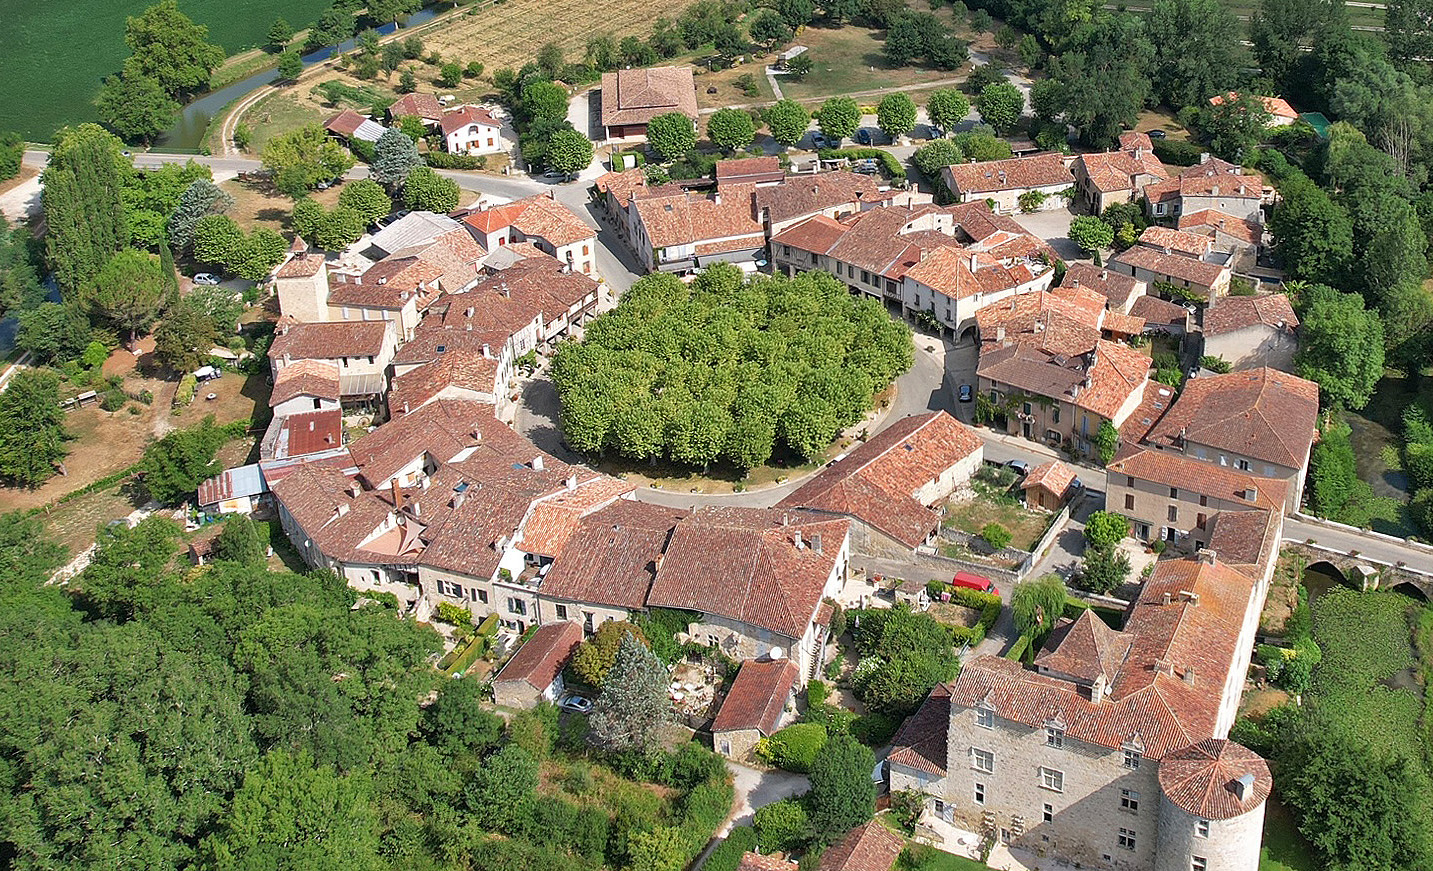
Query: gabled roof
pixel 1116 287
pixel 540 216
pixel 638 96
pixel 868 847
pixel 1172 469
pixel 684 218
pixel 316 378
pixel 424 106
pixel 920 743
pixel 756 566
pixel 1197 272
pixel 462 368
pixel 456 119
pixel 1123 170
pixel 611 557
pixel 351 125
pixel 538 662
pixel 757 696
pixel 441 429
pixel 877 482
pixel 809 194
pixel 1178 241
pixel 329 340
pixel 1085 648
pixel 1053 475
pixel 757 862
pixel 756 170
pixel 414 228
pixel 1016 173
pixel 1239 312
pixel 1212 178
pixel 1161 312
pixel 1211 222
pixel 1277 107
pixel 1263 414
pixel 1101 386
pixel 555 517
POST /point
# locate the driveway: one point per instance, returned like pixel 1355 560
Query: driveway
pixel 1054 227
pixel 756 789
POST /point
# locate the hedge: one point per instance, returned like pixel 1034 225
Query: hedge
pixel 727 855
pixel 1177 152
pixel 461 657
pixel 1021 649
pixel 874 730
pixel 795 747
pixel 889 162
pixel 443 160
pixel 988 604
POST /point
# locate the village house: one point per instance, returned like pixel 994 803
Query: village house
pixel 424 107
pixel 1049 485
pixel 534 674
pixel 471 130
pixel 1118 176
pixel 1005 182
pixel 894 486
pixel 631 98
pixel 1172 498
pixel 1281 114
pixel 542 221
pixel 760 701
pixel 1227 233
pixel 1214 184
pixel 759 171
pixel 1251 332
pixel 871 846
pixel 361 351
pixel 1185 261
pixel 679 231
pixel 348 125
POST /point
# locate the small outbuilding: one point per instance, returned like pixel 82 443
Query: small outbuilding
pixel 755 707
pixel 1048 485
pixel 534 674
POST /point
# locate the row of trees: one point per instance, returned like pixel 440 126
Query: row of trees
pixel 170 60
pixel 727 369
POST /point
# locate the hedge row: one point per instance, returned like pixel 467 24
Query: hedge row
pixel 889 162
pixel 988 604
pixel 443 160
pixel 1177 152
pixel 727 855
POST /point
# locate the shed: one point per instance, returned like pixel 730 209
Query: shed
pixel 1048 485
pixel 232 491
pixel 915 593
pixel 534 674
pixel 755 706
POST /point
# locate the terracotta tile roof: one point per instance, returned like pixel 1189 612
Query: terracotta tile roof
pixel 1238 312
pixel 1053 475
pixel 463 368
pixel 749 169
pixel 537 287
pixel 329 341
pixel 1210 221
pixel 1133 139
pixel 1246 539
pixel 1170 469
pixel 1157 399
pixel 538 662
pixel 611 557
pixel 233 483
pixel 757 862
pixel 540 216
pixel 685 218
pixel 877 483
pixel 1085 648
pixel 316 378
pixel 1128 169
pixel 638 96
pixel 1263 414
pixel 457 119
pixel 817 235
pixel 1177 241
pixel 920 743
pixel 868 847
pixel 555 517
pixel 387 284
pixel 758 696
pixel 1159 312
pixel 456 256
pixel 1201 779
pixel 301 266
pixel 344 521
pixel 1214 177
pixel 1278 107
pixel 1196 272
pixel 424 106
pixel 1017 173
pixel 311 432
pixel 441 429
pixel 1037 366
pixel 1063 321
pixel 621 185
pixel 345 123
pixel 745 564
pixel 1116 287
pixel 948 271
pixel 809 194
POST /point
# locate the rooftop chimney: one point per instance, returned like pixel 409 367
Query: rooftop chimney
pixel 1000 333
pixel 1166 598
pixel 816 541
pixel 800 543
pixel 470 311
pixel 972 262
pixel 397 493
pixel 487 352
pixel 571 482
pixel 1208 557
pixel 1251 494
pixel 1243 787
pixel 537 465
pixel 1189 675
pixel 1104 274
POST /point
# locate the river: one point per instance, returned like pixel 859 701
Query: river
pixel 187 135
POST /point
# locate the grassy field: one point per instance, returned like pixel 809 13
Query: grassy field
pixel 849 60
pixel 1284 848
pixel 53 55
pixel 1026 526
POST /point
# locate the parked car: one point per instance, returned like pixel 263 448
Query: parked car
pixel 576 704
pixel 324 185
pixel 863 136
pixel 973 582
pixel 821 141
pixel 967 393
pixel 206 278
pixel 1157 134
pixel 1021 467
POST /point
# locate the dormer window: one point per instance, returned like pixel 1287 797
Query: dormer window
pixel 985 718
pixel 1054 736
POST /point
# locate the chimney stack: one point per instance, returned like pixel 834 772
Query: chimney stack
pixel 1243 787
pixel 816 541
pixel 1189 675
pixel 800 543
pixel 571 482
pixel 537 465
pixel 397 489
pixel 1208 557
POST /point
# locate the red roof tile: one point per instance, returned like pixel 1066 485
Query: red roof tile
pixel 1238 312
pixel 758 696
pixel 1085 648
pixel 1016 173
pixel 329 341
pixel 1197 272
pixel 1263 414
pixel 868 847
pixel 1202 779
pixel 541 659
pixel 424 106
pixel 1054 476
pixel 316 378
pixel 457 119
pixel 1116 287
pixel 757 862
pixel 1171 469
pixel 638 96
pixel 554 518
pixel 1191 244
pixel 921 741
pixel 1210 222
pixel 611 557
pixel 1277 107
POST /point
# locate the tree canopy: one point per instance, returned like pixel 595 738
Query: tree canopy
pixel 839 117
pixel 727 369
pixel 671 135
pixel 302 158
pixel 32 428
pixel 1340 346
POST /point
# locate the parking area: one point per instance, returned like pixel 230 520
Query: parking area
pixel 1054 227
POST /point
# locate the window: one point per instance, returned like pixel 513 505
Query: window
pixel 1242 465
pixel 980 793
pixel 1223 460
pixel 982 760
pixel 1174 492
pixel 1054 736
pixel 786 250
pixel 1198 863
pixel 1173 513
pixel 985 719
pixel 1201 828
pixel 1268 471
pixel 1132 760
pixel 562 612
pixel 517 606
pixel 1201 520
pixel 1127 839
pixel 865 276
pixel 994 395
pixel 1049 813
pixel 1129 501
pixel 1052 779
pixel 1129 801
pixel 1027 408
pixel 1129 480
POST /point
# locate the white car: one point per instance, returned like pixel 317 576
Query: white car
pixel 207 278
pixel 576 704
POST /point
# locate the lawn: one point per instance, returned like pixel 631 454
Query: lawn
pixel 972 514
pixel 53 55
pixel 848 60
pixel 919 857
pixel 1284 848
pixel 256 204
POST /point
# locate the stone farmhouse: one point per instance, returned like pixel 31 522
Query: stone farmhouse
pixel 1004 182
pixel 540 220
pixel 1181 259
pixel 1252 332
pixel 1118 176
pixel 1215 184
pixel 631 98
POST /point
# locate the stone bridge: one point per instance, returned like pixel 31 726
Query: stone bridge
pixel 1368 573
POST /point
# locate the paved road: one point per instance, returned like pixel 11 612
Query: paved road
pixel 757 789
pixel 1345 541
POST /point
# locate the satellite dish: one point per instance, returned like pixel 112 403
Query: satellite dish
pixel 775 654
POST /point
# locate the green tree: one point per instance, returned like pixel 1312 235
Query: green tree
pixel 201 199
pixel 500 791
pixel 1340 346
pixel 1036 604
pixel 634 706
pixel 1104 569
pixel 658 849
pixel 842 795
pixel 169 47
pixel 896 114
pixel 781 825
pixel 12 154
pixel 302 158
pixel 84 215
pixel 456 722
pixel 32 428
pixel 1407 30
pixel 544 100
pixel 787 120
pixel 1333 470
pixel 394 156
pixel 1312 232
pixel 996 535
pixel 450 74
pixel 407 81
pixel 594 658
pixel 128 292
pixel 769 29
pixel 947 107
pixel 281 33
pixel 185 336
pixel 1283 32
pixel 428 191
pixel 839 117
pixel 1104 77
pixel 1236 126
pixel 173 467
pixel 1107 441
pixel 1000 105
pixel 239 541
pixel 1207 62
pixel 671 135
pixel 216 239
pixel 1090 233
pixel 930 159
pixel 904 41
pixel 341 227
pixel 291 64
pixel 53 332
pixel 731 129
pixel 135 106
pixel 568 151
pixel 291 813
pixel 980 146
pixel 366 197
pixel 1106 529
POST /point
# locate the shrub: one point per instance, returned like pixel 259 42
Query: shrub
pixel 443 160
pixel 889 162
pixel 112 400
pixel 996 536
pixel 185 394
pixel 795 747
pixel 874 730
pixel 781 825
pixel 456 615
pixel 816 693
pixel 1215 364
pixel 727 855
pixel 1177 152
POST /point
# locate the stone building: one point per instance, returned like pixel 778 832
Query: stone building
pixel 758 704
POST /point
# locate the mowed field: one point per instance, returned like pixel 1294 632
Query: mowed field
pixel 508 34
pixel 54 54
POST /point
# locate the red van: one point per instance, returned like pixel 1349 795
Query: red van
pixel 973 582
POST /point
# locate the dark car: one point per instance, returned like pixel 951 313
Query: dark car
pixel 966 393
pixel 863 136
pixel 1157 134
pixel 1021 467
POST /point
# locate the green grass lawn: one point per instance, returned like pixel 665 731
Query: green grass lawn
pixel 53 55
pixel 849 60
pixel 1026 526
pixel 919 857
pixel 1284 848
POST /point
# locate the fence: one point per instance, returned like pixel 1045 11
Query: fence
pixel 1026 559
